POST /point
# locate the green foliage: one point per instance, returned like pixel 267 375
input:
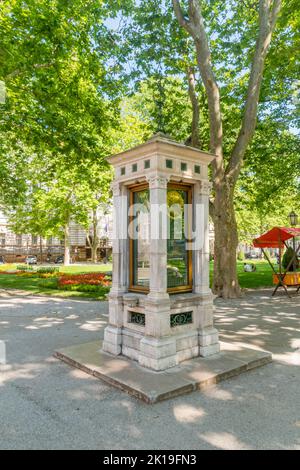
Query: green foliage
pixel 86 288
pixel 268 187
pixel 287 257
pixel 55 127
pixel 67 65
pixel 24 267
pixel 48 270
pixel 241 256
pixel 50 283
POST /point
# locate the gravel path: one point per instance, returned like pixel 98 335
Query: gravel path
pixel 44 404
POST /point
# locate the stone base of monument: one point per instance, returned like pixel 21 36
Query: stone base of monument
pixel 150 386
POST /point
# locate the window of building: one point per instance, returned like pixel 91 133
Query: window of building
pixel 19 240
pixel 2 239
pixel 183 166
pixel 34 239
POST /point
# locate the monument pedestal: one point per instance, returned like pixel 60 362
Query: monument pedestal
pixel 162 334
pixel 151 387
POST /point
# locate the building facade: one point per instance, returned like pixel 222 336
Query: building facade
pixel 16 247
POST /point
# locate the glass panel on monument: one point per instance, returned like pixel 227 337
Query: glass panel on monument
pixel 141 241
pixel 177 255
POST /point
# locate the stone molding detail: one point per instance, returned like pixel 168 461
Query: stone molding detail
pixel 116 188
pixel 205 188
pixel 156 181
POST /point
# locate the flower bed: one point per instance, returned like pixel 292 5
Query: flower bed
pixel 92 279
pixel 26 273
pixel 88 283
pixel 86 288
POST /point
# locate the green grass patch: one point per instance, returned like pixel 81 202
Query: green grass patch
pixel 37 285
pixel 88 268
pixel 262 277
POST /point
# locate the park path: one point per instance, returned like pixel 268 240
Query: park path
pixel 44 404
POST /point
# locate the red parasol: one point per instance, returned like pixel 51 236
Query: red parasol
pixel 276 237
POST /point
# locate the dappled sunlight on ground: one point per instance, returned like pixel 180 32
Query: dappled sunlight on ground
pixel 224 441
pixel 18 371
pixel 93 325
pixel 218 394
pixel 46 404
pixel 187 413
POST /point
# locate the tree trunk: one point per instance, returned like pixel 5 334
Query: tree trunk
pixel 94 253
pixel 224 179
pixel 67 245
pixel 225 282
pixel 194 139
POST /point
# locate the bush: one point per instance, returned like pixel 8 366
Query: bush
pixel 241 256
pixel 48 270
pixel 24 267
pixel 85 288
pixel 286 259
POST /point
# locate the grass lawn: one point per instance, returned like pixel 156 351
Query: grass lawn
pixel 86 268
pixel 48 286
pixel 262 277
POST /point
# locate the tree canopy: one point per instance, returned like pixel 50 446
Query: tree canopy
pixel 87 79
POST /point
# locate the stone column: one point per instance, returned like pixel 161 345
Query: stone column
pixel 156 351
pixel 208 335
pixel 120 276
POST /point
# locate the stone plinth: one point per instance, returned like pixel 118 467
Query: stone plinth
pixel 151 387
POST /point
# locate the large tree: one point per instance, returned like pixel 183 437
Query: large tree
pixel 226 172
pixel 61 104
pixel 224 50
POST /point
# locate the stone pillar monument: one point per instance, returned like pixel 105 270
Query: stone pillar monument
pixel 160 304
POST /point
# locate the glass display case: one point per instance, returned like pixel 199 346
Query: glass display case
pixel 179 258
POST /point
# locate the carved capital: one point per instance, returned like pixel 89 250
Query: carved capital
pixel 156 181
pixel 116 188
pixel 204 188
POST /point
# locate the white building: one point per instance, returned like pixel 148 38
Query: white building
pixel 15 247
